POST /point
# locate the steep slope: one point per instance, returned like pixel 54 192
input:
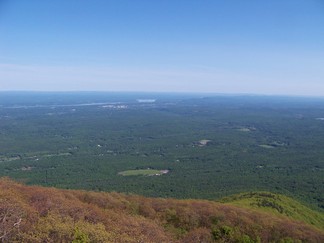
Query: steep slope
pixel 37 214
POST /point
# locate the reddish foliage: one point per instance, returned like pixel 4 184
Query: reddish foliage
pixel 130 218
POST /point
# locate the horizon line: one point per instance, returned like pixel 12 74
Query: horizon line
pixel 163 92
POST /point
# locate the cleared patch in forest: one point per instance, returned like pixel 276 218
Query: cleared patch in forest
pixel 266 146
pixel 244 129
pixel 203 142
pixel 143 172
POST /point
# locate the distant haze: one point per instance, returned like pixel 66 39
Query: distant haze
pixel 260 47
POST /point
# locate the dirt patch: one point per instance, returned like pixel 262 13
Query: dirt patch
pixel 203 142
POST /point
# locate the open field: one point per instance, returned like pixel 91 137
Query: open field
pixel 266 146
pixel 145 172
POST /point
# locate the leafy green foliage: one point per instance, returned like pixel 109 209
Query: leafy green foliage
pixel 277 204
pixel 80 237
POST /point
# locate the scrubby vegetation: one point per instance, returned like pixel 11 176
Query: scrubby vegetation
pixel 37 214
pixel 278 205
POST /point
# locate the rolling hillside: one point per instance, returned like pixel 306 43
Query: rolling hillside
pixel 278 205
pixel 38 214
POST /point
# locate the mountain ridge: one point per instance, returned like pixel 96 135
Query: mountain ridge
pixel 277 204
pixel 39 214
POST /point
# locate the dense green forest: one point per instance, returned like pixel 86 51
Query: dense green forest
pixel 210 145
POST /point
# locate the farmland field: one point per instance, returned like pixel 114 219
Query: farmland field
pixel 145 172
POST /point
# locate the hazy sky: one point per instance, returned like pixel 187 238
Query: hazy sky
pixel 225 46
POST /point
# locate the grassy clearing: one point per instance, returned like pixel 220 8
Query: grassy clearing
pixel 145 172
pixel 244 129
pixel 5 159
pixel 203 142
pixel 266 146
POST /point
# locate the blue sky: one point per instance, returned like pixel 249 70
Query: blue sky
pixel 236 46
